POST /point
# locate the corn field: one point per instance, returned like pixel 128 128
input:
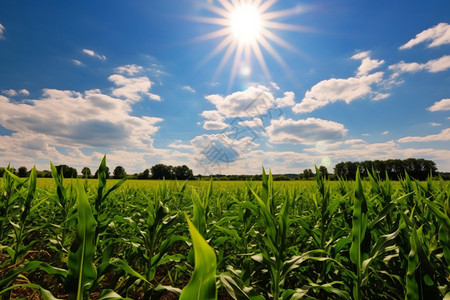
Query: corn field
pixel 96 239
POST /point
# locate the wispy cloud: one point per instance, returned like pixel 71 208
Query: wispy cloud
pixel 188 88
pixel 438 35
pixel 444 135
pixel 77 62
pixel 444 104
pixel 432 66
pixel 94 54
pixel 2 30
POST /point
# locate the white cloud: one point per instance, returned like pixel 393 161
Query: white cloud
pixel 332 90
pixel 129 69
pixel 94 54
pixel 438 35
pixel 256 122
pixel 254 101
pixel 434 124
pixel 74 119
pixel 76 62
pixel 132 88
pixel 287 100
pixel 275 86
pixel 188 88
pixel 444 135
pixel 432 66
pixel 444 104
pixel 212 115
pixel 12 93
pixel 360 150
pixel 215 125
pixel 215 121
pixel 2 31
pixel 24 92
pixel 367 64
pixel 178 144
pixel 307 131
pixel 385 132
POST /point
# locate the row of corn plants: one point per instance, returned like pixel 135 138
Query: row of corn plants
pixel 95 239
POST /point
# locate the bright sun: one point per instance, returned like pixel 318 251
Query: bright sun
pixel 246 31
pixel 246 23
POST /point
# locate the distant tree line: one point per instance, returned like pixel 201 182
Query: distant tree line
pixel 418 169
pixel 158 171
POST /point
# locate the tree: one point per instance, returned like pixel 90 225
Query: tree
pixel 161 171
pixel 182 172
pixel 86 172
pixel 68 172
pixel 146 174
pixel 22 172
pixel 308 173
pixel 323 171
pixel 119 172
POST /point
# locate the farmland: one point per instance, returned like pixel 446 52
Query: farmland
pixel 110 239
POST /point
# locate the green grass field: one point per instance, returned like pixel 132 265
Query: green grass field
pixel 110 239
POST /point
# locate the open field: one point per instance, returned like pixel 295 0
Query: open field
pixel 107 239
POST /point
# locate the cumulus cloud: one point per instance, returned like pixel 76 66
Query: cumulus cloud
pixel 94 54
pixel 252 102
pixel 359 150
pixel 287 100
pixel 74 119
pixel 332 90
pixel 444 104
pixel 132 88
pixel 218 151
pixel 2 30
pixel 437 35
pixel 367 64
pixel 444 135
pixel 12 93
pixel 129 69
pixel 215 121
pixel 305 131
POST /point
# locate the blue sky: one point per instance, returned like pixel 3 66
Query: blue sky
pixel 198 83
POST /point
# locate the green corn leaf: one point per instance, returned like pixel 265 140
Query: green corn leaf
pixel 412 289
pixel 82 272
pixel 199 218
pixel 30 195
pixel 359 249
pixel 202 285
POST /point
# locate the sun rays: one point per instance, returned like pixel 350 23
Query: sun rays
pixel 247 33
